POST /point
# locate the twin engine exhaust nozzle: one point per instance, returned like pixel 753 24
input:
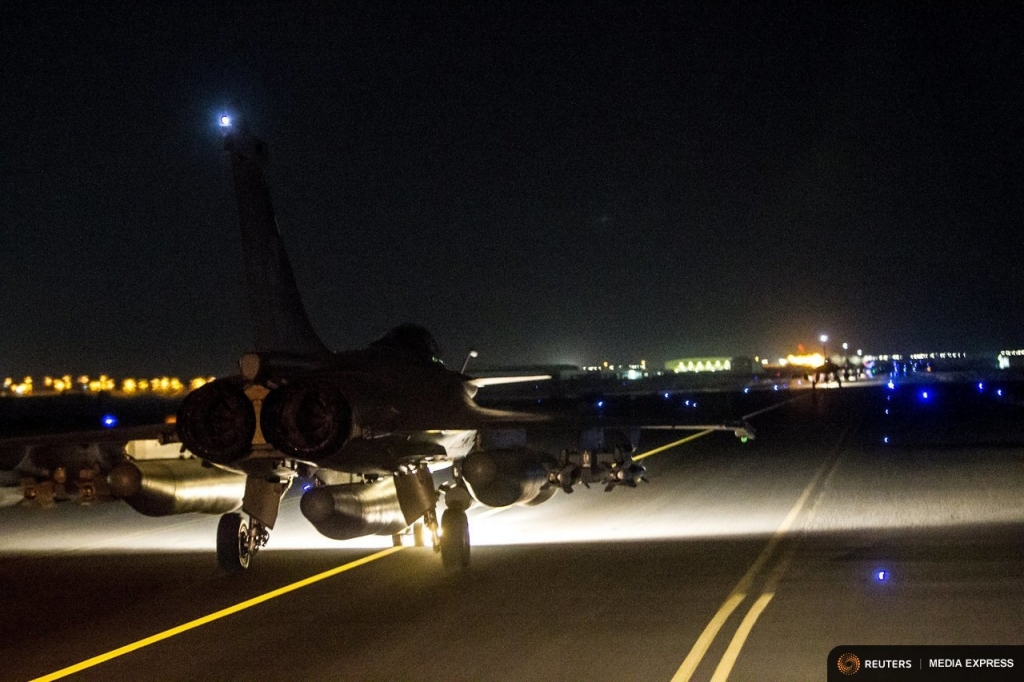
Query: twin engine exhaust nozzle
pixel 307 419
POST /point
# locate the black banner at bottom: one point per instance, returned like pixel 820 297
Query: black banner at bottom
pixel 911 663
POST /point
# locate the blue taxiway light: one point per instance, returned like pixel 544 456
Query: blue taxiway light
pixel 981 387
pixel 224 121
pixel 109 421
pixel 924 395
pixel 307 486
pixel 746 389
pixel 886 439
pixel 999 393
pixel 891 385
pixel 665 394
pixel 882 575
pixel 600 403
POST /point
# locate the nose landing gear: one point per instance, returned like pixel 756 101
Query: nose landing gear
pixel 454 540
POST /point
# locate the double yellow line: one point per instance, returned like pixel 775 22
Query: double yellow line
pixel 739 594
pixel 740 591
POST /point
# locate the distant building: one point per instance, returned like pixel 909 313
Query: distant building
pixel 711 364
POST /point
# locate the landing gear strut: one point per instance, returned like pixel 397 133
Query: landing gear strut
pixel 238 541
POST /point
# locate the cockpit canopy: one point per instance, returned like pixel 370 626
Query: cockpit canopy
pixel 413 341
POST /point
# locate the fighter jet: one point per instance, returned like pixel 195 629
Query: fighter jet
pixel 370 428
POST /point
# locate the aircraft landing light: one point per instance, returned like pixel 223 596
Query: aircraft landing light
pixel 191 625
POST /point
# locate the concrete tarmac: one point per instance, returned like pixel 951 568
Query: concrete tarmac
pixel 738 561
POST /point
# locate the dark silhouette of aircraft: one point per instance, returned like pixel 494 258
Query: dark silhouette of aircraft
pixel 368 427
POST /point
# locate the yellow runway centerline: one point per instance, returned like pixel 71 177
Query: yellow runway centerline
pixel 135 646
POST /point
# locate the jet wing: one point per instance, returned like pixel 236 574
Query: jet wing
pixel 480 382
pixel 42 453
pixel 165 433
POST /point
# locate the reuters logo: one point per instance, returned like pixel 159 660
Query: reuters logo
pixel 848 664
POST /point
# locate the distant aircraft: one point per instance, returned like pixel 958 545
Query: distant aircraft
pixel 827 372
pixel 368 427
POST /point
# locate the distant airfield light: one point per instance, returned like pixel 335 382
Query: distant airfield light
pixel 225 121
pixel 600 403
pixel 981 387
pixel 109 421
pixel 846 346
pixel 746 389
pixel 887 410
pixel 999 392
pixel 687 403
pixel 924 395
pixel 886 440
pixel 776 387
pixel 891 385
pixel 823 338
pixel 665 394
pixel 882 575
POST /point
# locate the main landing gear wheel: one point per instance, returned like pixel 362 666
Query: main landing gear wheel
pixel 454 540
pixel 238 541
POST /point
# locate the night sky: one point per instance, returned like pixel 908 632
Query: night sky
pixel 562 183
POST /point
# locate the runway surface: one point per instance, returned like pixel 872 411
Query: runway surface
pixel 745 562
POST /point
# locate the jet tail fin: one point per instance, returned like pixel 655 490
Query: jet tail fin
pixel 279 320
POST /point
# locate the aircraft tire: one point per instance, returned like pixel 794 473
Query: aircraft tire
pixel 454 540
pixel 232 543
